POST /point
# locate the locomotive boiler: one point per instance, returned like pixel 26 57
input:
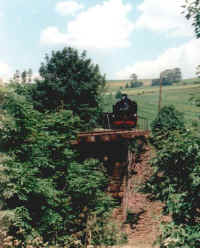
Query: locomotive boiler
pixel 124 115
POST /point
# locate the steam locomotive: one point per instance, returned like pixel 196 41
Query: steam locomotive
pixel 124 115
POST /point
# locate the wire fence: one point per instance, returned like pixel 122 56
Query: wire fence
pixel 143 123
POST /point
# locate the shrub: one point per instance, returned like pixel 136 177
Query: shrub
pixel 176 183
pixel 176 180
pixel 118 95
pixel 167 120
pixel 136 84
pixel 50 192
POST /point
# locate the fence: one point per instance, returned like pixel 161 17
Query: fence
pixel 143 123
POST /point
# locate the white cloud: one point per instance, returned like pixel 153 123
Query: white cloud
pixel 186 57
pixel 164 16
pixel 5 70
pixel 68 7
pixel 105 25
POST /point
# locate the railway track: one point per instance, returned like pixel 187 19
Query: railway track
pixel 108 135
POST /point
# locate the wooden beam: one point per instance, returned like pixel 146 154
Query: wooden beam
pixel 90 139
pixel 108 136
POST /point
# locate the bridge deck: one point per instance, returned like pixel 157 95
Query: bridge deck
pixel 108 136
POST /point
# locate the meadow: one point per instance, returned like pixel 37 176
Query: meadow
pixel 147 98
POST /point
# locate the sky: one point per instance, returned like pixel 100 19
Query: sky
pixel 121 36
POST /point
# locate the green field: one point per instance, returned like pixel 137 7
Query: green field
pixel 116 84
pixel 148 97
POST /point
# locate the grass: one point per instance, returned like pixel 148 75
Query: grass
pixel 148 97
pixel 116 84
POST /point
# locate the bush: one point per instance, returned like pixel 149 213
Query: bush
pixel 127 86
pixel 176 183
pixel 167 120
pixel 50 192
pixel 166 82
pixel 175 180
pixel 136 84
pixel 155 82
pixel 118 95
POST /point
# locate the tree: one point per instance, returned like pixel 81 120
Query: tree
pixel 175 179
pixel 16 76
pixel 166 74
pixel 30 73
pixel 171 76
pixel 155 82
pixel 24 76
pixel 69 81
pixel 134 77
pixel 44 186
pixel 192 11
pixel 127 85
pixel 46 190
pixel 175 182
pixel 136 84
pixel 134 81
pixel 167 120
pixel 118 95
pixel 177 75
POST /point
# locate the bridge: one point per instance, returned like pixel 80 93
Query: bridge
pixel 111 147
pixel 108 136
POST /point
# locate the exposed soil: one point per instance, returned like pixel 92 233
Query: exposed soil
pixel 146 215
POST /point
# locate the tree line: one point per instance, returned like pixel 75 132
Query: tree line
pixel 23 77
pixel 168 77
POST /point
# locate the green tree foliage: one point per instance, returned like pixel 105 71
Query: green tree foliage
pixel 176 179
pixel 168 77
pixel 50 192
pixel 134 77
pixel 164 82
pixel 192 11
pixel 118 94
pixel 24 76
pixel 30 74
pixel 167 120
pixel 155 82
pixel 176 182
pixel 16 76
pixel 177 75
pixel 134 81
pixel 70 81
pixel 127 85
pixel 136 84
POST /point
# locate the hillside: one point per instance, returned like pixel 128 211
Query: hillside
pixel 148 97
pixel 115 84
